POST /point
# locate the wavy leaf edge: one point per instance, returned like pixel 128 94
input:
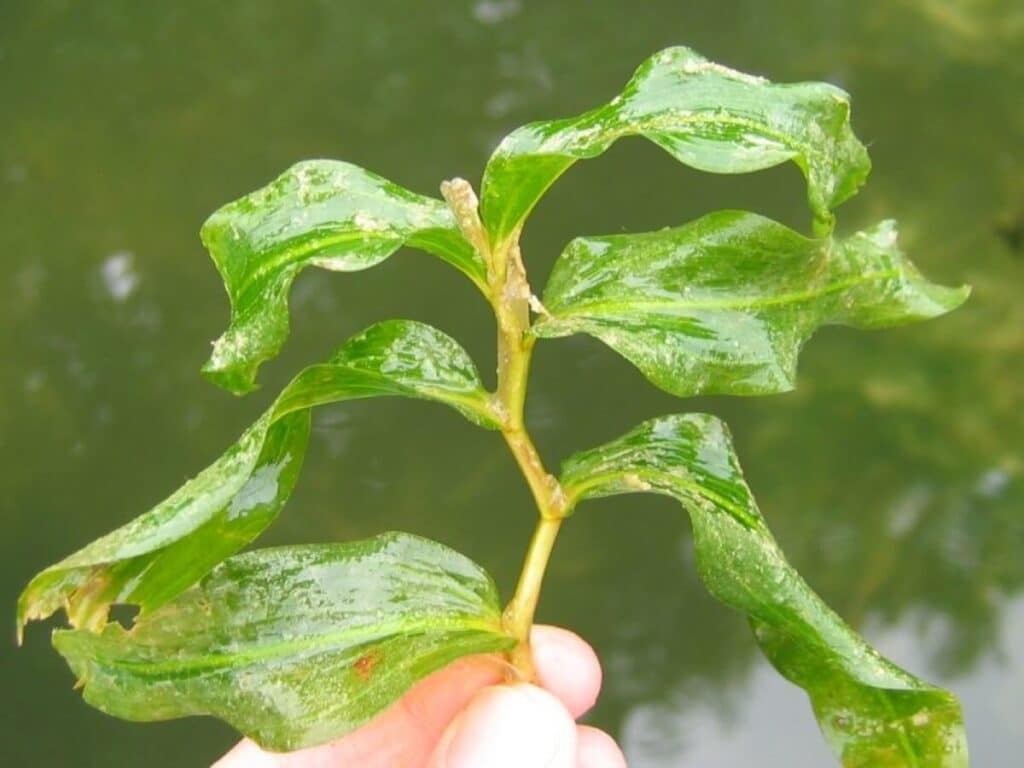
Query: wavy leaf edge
pixel 257 641
pixel 871 712
pixel 243 491
pixel 680 100
pixel 725 303
pixel 325 213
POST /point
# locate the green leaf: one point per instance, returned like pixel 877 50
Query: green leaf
pixel 321 213
pixel 294 646
pixel 706 116
pixel 162 552
pixel 723 304
pixel 873 713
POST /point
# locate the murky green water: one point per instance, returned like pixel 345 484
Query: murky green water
pixel 894 477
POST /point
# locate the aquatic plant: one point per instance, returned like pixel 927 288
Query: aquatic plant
pixel 297 645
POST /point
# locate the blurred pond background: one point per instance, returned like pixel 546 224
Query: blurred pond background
pixel 893 476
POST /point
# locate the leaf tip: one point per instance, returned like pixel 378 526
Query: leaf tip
pixel 961 294
pixel 943 299
pixel 235 379
pixel 27 610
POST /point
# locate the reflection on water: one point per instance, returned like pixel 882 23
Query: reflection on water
pixel 759 724
pixel 893 477
pixel 763 720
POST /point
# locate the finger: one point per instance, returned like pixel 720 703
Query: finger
pixel 509 726
pixel 567 666
pixel 401 735
pixel 246 754
pixel 596 749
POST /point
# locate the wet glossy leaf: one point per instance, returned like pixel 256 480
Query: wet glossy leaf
pixel 723 304
pixel 157 555
pixel 322 213
pixel 294 646
pixel 873 713
pixel 703 114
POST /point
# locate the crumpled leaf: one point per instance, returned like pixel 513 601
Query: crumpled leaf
pixel 294 646
pixel 706 116
pixel 873 714
pixel 160 553
pixel 322 213
pixel 724 304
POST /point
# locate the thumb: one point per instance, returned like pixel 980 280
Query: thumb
pixel 509 726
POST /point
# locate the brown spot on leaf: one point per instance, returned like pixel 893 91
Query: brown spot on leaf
pixel 365 664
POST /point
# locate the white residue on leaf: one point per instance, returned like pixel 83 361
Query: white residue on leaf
pixel 339 180
pixel 424 217
pixel 229 348
pixel 703 66
pixel 634 481
pixel 887 237
pixel 368 222
pixel 756 140
pixel 302 177
pixel 260 489
pixel 537 306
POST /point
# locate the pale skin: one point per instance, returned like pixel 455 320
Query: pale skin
pixel 464 716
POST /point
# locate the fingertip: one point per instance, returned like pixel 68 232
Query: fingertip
pixel 567 666
pixel 509 726
pixel 246 754
pixel 596 749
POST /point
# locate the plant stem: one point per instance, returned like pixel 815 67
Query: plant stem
pixel 509 294
pixel 515 349
pixel 518 616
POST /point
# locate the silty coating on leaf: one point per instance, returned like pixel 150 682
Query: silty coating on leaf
pixel 295 646
pixel 872 712
pixel 723 304
pixel 322 213
pixel 703 114
pixel 157 555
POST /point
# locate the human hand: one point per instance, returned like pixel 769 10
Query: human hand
pixel 463 717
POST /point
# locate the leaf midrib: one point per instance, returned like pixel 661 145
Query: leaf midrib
pixel 576 492
pixel 653 305
pixel 668 122
pixel 655 123
pixel 324 642
pixel 302 251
